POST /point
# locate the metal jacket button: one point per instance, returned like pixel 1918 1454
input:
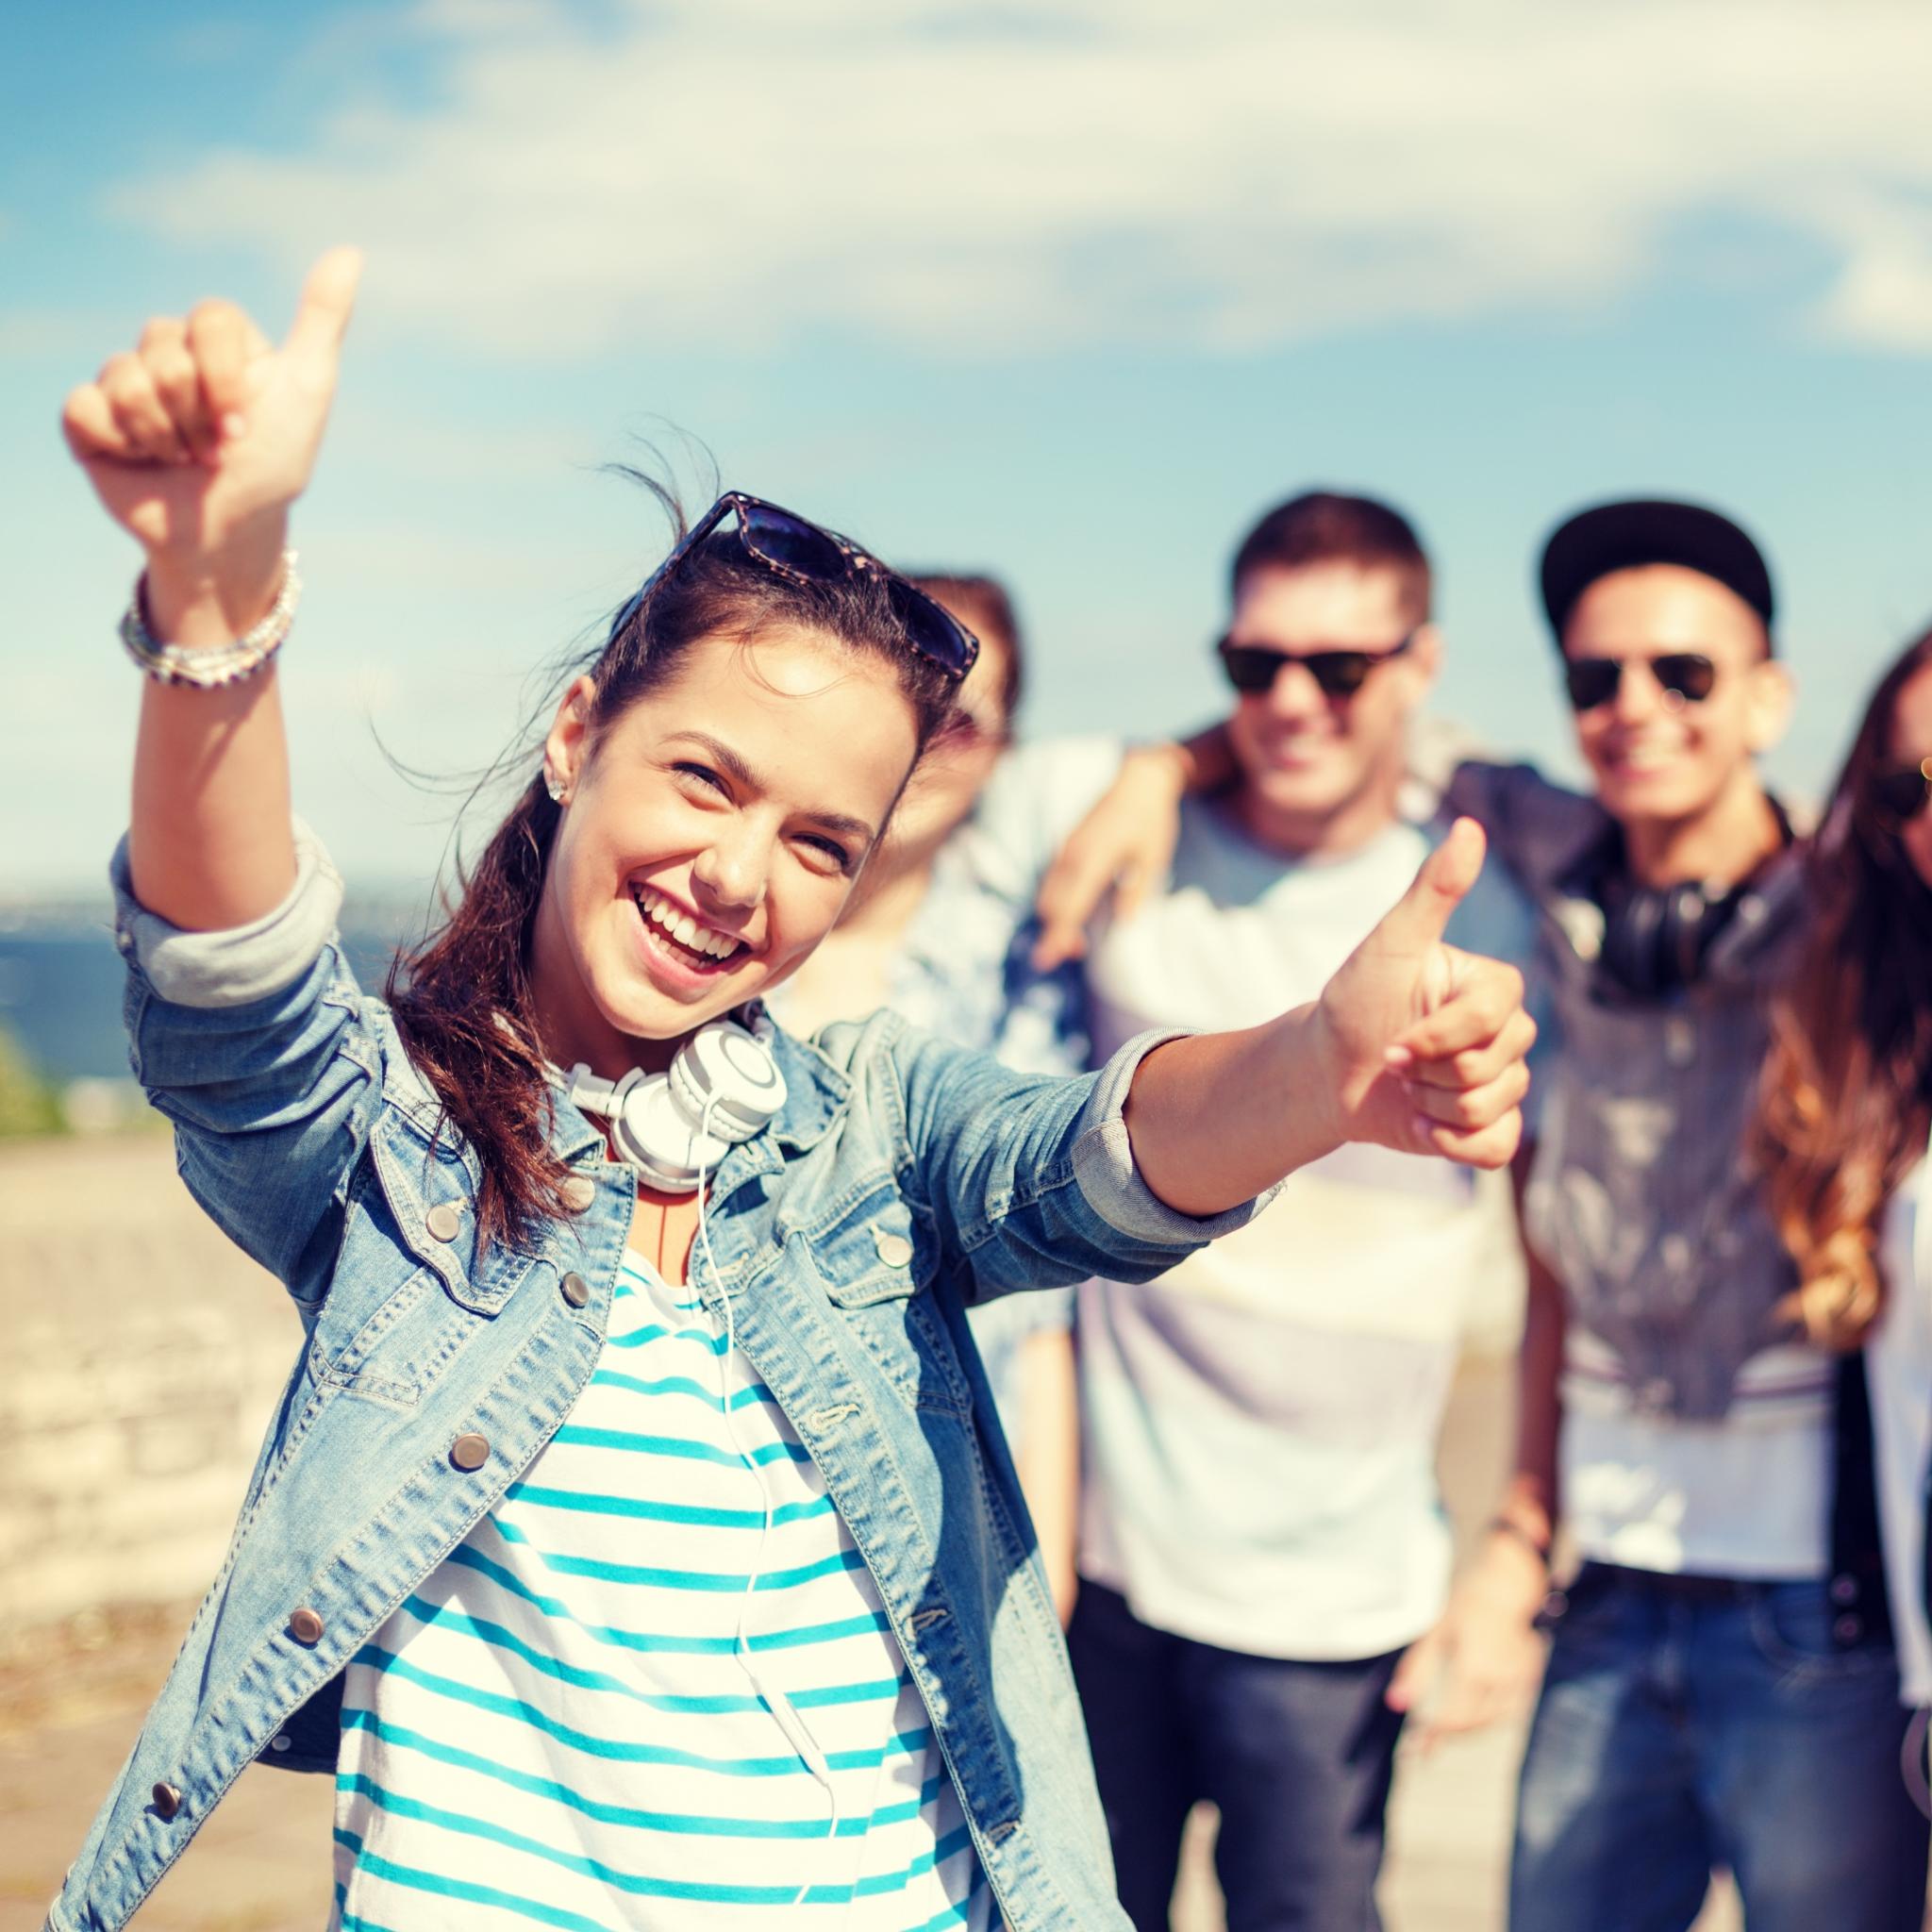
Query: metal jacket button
pixel 895 1249
pixel 304 1626
pixel 576 1291
pixel 167 1799
pixel 578 1192
pixel 470 1451
pixel 444 1221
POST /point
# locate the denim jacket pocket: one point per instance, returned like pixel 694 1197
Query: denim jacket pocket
pixel 431 1183
pixel 870 1252
pixel 877 1263
pixel 398 1350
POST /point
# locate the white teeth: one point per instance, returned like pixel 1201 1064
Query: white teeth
pixel 681 926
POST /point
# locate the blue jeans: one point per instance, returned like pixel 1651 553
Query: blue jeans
pixel 1298 1756
pixel 1682 1730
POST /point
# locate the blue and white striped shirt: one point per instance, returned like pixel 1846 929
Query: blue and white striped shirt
pixel 555 1729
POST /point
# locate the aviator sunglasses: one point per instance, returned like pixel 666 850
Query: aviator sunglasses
pixel 1253 668
pixel 1593 681
pixel 1903 795
pixel 803 552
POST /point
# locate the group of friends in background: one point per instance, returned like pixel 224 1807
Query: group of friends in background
pixel 1725 1212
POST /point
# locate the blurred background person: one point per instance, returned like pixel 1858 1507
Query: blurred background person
pixel 1720 1688
pixel 1261 1535
pixel 1847 1112
pixel 931 934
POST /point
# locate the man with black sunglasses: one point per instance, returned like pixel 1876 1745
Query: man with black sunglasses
pixel 1260 1531
pixel 1720 1687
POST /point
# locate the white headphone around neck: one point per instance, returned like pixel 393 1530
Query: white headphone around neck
pixel 724 1086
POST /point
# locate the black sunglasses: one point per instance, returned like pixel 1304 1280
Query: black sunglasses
pixel 806 554
pixel 1902 795
pixel 1593 681
pixel 1253 668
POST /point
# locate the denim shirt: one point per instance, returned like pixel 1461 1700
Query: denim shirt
pixel 1641 1194
pixel 905 1180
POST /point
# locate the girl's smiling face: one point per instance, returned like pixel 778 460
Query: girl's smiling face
pixel 710 835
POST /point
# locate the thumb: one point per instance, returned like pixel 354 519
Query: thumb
pixel 1417 919
pixel 329 296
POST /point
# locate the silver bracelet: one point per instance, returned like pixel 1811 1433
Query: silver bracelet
pixel 211 666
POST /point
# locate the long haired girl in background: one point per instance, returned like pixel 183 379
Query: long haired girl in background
pixel 1847 1116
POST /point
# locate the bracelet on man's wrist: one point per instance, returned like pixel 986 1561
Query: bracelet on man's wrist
pixel 208 667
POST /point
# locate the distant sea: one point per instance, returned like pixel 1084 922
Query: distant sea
pixel 61 984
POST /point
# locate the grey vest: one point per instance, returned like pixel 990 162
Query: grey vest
pixel 1640 1197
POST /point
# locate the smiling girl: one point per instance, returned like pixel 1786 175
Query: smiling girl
pixel 626 1544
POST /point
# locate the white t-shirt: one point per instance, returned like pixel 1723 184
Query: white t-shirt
pixel 1260 1423
pixel 555 1727
pixel 1747 1496
pixel 1899 1363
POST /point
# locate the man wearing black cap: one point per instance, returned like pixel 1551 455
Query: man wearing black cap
pixel 1721 1688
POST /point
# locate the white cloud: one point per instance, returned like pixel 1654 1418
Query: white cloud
pixel 1080 172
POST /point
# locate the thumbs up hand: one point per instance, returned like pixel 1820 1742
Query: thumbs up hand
pixel 1425 1046
pixel 199 440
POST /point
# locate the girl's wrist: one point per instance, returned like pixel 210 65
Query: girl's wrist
pixel 199 599
pixel 1308 1066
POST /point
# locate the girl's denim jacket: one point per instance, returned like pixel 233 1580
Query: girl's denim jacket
pixel 905 1180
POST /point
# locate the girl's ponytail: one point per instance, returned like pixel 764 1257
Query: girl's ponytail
pixel 461 1002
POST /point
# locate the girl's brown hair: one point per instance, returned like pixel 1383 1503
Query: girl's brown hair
pixel 985 606
pixel 1847 1099
pixel 462 999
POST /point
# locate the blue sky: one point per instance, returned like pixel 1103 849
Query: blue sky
pixel 1070 290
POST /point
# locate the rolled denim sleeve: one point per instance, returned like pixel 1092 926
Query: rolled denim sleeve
pixel 1104 1161
pixel 244 963
pixel 258 1045
pixel 1032 1180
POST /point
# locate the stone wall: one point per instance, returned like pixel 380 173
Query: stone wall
pixel 144 1354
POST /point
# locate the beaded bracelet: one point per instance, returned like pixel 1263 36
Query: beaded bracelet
pixel 209 666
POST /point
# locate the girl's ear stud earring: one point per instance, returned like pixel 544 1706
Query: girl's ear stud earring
pixel 553 785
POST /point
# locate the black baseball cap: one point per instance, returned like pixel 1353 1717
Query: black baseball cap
pixel 1624 536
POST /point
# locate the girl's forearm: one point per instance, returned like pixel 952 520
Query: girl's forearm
pixel 196 444
pixel 1217 1119
pixel 209 845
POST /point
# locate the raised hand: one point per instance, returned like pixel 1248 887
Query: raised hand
pixel 199 439
pixel 1425 1045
